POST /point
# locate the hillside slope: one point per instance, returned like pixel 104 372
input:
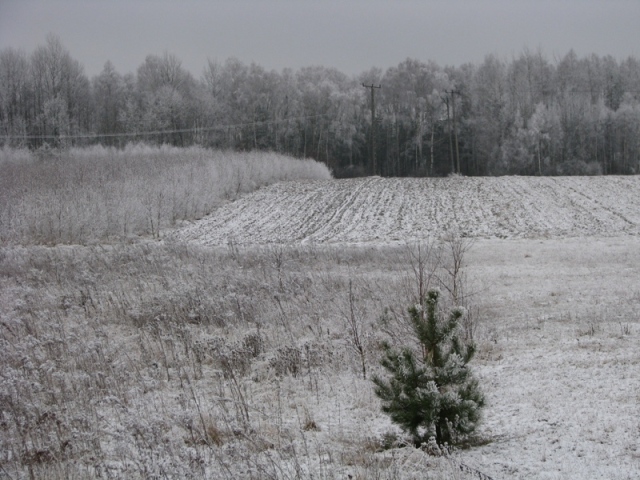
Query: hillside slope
pixel 388 210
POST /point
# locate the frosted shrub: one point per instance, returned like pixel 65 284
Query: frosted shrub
pixel 288 360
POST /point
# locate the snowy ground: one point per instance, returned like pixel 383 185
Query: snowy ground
pixel 556 264
pixel 223 351
pixel 396 210
pixel 562 374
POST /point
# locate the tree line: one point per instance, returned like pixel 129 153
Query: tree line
pixel 526 115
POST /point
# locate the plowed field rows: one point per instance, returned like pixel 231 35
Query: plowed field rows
pixel 396 210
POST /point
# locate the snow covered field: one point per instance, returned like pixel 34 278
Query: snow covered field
pixel 223 351
pixel 561 333
pixel 560 298
pixel 395 210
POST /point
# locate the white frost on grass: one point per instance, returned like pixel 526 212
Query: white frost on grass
pixel 560 299
pixel 559 360
pixel 113 355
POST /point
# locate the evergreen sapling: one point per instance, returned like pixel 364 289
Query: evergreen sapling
pixel 432 393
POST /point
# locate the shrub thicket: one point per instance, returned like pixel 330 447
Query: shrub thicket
pixel 79 196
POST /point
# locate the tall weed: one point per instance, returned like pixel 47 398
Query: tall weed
pixel 89 195
pixel 152 359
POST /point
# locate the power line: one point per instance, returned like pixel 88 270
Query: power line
pixel 373 126
pixel 161 132
pixel 453 94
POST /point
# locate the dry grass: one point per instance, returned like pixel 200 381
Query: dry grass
pixel 81 196
pixel 170 360
pixel 173 360
pixel 155 359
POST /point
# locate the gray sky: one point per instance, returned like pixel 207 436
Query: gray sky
pixel 350 35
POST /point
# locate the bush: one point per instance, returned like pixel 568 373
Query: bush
pixel 432 393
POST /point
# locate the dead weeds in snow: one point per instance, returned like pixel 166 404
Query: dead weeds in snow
pixel 168 359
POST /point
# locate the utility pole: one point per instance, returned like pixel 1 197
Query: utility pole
pixel 446 101
pixel 453 94
pixel 374 166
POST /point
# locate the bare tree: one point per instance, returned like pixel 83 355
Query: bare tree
pixel 354 321
pixel 424 260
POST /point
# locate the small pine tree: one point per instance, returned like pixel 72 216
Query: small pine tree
pixel 435 395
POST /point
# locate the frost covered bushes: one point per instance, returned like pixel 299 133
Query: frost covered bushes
pixel 87 195
pixel 432 393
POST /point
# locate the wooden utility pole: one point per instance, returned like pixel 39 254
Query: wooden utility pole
pixel 374 166
pixel 446 101
pixel 453 94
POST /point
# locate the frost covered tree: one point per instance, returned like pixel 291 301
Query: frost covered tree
pixel 109 101
pixel 14 95
pixel 432 392
pixel 61 92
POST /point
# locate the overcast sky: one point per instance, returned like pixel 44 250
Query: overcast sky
pixel 350 35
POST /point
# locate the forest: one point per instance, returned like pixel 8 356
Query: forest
pixel 526 115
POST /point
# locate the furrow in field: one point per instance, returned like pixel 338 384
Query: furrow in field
pixel 611 211
pixel 343 201
pixel 398 210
